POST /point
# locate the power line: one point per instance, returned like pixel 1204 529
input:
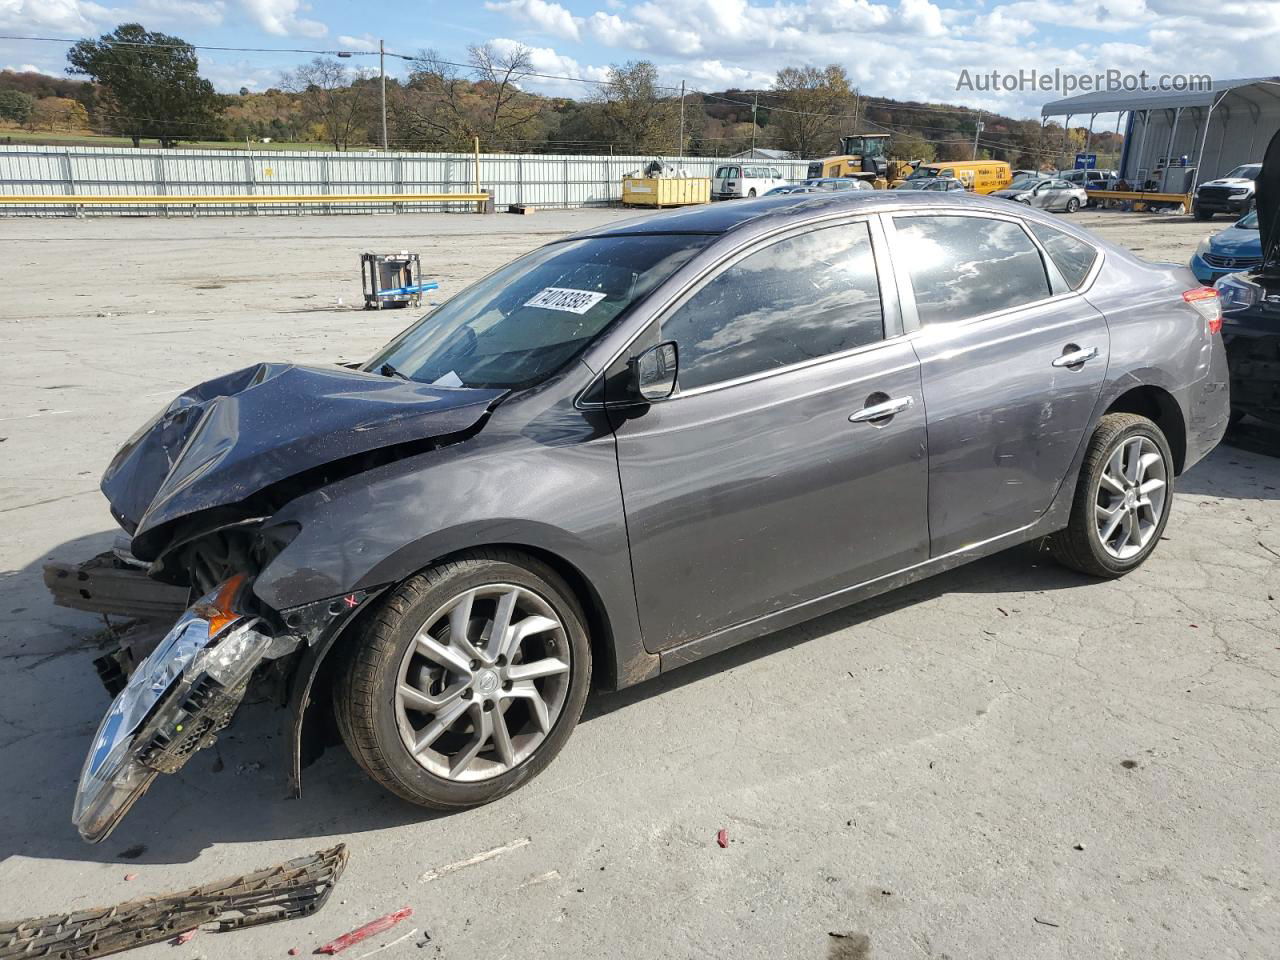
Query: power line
pixel 520 75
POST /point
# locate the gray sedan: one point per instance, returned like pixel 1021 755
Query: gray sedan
pixel 1049 193
pixel 636 447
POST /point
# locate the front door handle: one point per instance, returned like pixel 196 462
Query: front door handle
pixel 880 411
pixel 1075 358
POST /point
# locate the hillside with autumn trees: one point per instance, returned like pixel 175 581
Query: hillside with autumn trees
pixel 146 87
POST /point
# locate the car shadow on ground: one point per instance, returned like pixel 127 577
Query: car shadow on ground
pixel 237 792
pixel 1247 465
pixel 1024 568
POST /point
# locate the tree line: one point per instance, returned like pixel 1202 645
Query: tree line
pixel 147 85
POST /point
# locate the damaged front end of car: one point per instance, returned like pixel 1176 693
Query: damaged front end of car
pixel 1251 308
pixel 175 703
pixel 196 489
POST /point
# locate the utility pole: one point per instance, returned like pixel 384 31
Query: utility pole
pixel 856 103
pixel 382 71
pixel 680 147
pixel 977 130
pixel 755 105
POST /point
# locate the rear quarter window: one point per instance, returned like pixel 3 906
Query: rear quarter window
pixel 1073 257
pixel 962 266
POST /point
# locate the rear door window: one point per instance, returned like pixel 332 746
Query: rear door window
pixel 1072 256
pixel 962 267
pixel 797 299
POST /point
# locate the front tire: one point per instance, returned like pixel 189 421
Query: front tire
pixel 467 681
pixel 1200 213
pixel 1122 500
pixel 751 194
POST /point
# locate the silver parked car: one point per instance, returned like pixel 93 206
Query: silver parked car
pixel 633 448
pixel 1048 193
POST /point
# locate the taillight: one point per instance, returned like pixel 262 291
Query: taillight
pixel 1207 304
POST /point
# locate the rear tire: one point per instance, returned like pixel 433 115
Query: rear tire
pixel 1073 205
pixel 1126 453
pixel 462 688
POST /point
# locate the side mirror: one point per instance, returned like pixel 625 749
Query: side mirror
pixel 655 371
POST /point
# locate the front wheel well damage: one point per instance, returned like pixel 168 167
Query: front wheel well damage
pixel 1158 406
pixel 318 729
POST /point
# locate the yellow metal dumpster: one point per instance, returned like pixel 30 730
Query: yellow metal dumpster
pixel 665 191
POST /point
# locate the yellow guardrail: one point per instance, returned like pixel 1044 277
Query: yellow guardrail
pixel 1141 196
pixel 172 200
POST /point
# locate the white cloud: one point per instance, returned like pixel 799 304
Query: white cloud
pixel 84 17
pixel 548 17
pixel 365 41
pixel 284 18
pixel 546 61
pixel 230 77
pixel 32 68
pixel 75 16
pixel 914 49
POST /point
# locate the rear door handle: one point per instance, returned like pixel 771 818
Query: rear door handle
pixel 880 411
pixel 1075 357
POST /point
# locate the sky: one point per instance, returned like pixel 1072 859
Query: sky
pixel 904 49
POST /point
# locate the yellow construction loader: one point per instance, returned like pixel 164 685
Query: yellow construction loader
pixel 865 156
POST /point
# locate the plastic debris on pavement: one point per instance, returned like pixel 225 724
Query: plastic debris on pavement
pixel 722 837
pixel 363 933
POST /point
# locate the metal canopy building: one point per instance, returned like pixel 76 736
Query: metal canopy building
pixel 1215 129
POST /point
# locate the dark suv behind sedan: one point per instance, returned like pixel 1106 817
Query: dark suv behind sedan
pixel 636 447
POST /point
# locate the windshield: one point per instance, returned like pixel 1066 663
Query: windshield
pixel 912 184
pixel 1249 221
pixel 525 321
pixel 1248 171
pixel 923 173
pixel 1022 180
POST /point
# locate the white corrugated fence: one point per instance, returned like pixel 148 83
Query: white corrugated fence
pixel 542 180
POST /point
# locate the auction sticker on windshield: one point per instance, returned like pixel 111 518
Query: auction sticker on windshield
pixel 563 298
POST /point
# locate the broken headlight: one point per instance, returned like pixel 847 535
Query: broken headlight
pixel 175 703
pixel 1236 292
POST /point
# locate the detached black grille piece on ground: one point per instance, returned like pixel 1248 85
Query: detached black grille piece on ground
pixel 292 889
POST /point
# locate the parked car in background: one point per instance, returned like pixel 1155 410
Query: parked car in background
pixel 583 470
pixel 1089 179
pixel 1251 307
pixel 837 184
pixel 1239 247
pixel 1021 177
pixel 935 184
pixel 737 181
pixel 792 188
pixel 1047 193
pixel 1230 194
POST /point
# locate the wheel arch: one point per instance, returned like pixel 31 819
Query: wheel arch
pixel 1159 406
pixel 310 723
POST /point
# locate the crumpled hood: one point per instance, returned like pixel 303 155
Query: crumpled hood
pixel 1266 199
pixel 231 437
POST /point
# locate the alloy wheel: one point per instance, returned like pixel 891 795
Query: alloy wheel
pixel 483 682
pixel 1131 497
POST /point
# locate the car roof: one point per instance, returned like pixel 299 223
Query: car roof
pixel 783 209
